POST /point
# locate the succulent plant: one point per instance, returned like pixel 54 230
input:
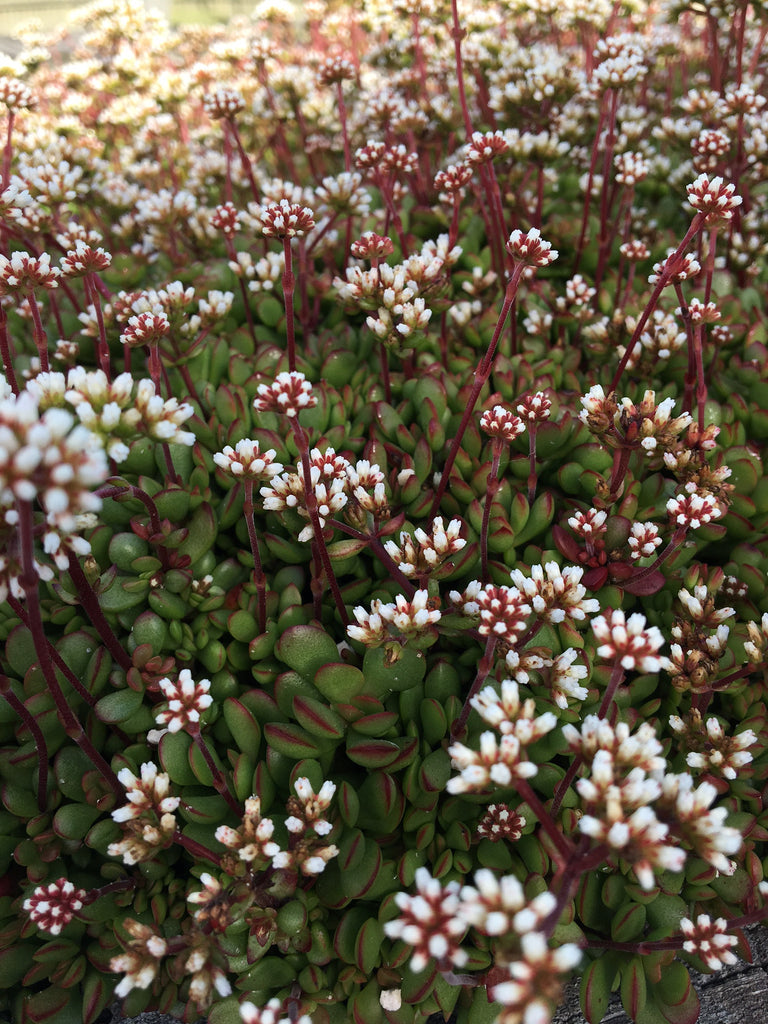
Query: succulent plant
pixel 385 531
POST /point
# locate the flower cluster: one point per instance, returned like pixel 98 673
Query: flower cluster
pixel 53 906
pixel 407 621
pixel 148 818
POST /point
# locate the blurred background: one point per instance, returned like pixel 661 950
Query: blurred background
pixel 51 13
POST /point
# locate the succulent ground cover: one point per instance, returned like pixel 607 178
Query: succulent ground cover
pixel 384 547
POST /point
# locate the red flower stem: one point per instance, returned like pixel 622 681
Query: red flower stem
pixel 173 476
pixel 315 581
pixel 758 50
pixel 725 682
pixel 562 845
pixel 232 257
pixel 384 363
pixel 140 495
pixel 29 581
pixel 563 786
pixel 258 572
pixel 701 382
pixel 318 236
pixel 492 489
pixel 61 665
pixel 92 297
pixel 532 475
pixel 219 782
pixel 640 948
pixel 605 190
pixel 565 783
pixel 90 603
pixel 197 849
pixel 497 218
pixel 386 193
pixel 344 131
pixel 458 34
pixel 483 668
pixel 617 676
pixel 621 458
pixel 190 384
pixel 289 282
pixel 381 553
pixel 443 340
pixel 304 311
pixel 8 151
pixel 674 941
pixel 690 371
pixel 453 231
pixel 5 352
pixel 41 338
pixel 154 365
pixel 244 160
pixel 577 864
pixel 119 885
pixel 37 735
pixel 588 190
pixel 311 501
pixel 674 544
pixel 482 373
pixel 56 312
pixel 667 273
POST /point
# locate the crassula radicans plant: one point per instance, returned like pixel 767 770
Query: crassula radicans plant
pixel 384 527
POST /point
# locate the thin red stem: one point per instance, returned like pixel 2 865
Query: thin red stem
pixel 36 733
pixel 258 572
pixel 482 373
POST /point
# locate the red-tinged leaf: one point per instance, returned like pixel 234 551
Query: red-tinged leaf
pixel 346 548
pixel 351 850
pixel 318 719
pixel 69 974
pixel 392 526
pixel 416 987
pixel 97 993
pixel 338 682
pixel 292 741
pixel 435 771
pixel 443 864
pixel 742 947
pixel 306 649
pixel 628 922
pixel 368 945
pixel 595 989
pixel 655 966
pixel 619 571
pixel 241 722
pixel 45 1005
pixel 367 704
pixel 376 724
pixel 633 988
pixel 348 712
pixel 36 973
pixel 356 883
pixel 645 585
pixel 379 794
pixel 346 933
pixel 371 753
pixel 686 1012
pixel 55 951
pixel 594 579
pixel 242 776
pixel 409 746
pixel 674 985
pixel 348 803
